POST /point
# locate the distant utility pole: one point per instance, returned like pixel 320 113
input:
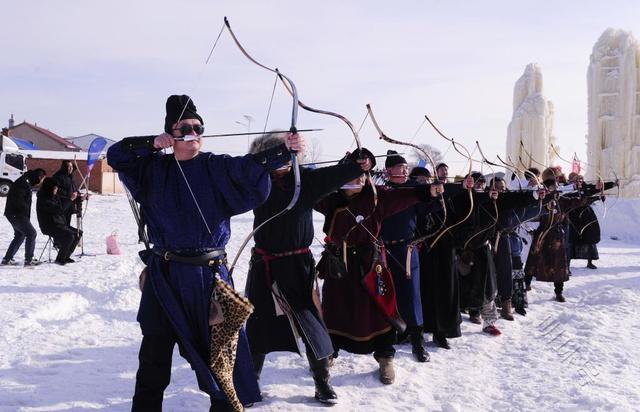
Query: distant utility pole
pixel 246 124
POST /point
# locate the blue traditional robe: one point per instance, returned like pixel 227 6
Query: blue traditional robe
pixel 175 300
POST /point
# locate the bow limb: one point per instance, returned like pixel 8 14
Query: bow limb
pixel 513 170
pixel 490 163
pixel 388 139
pixel 525 174
pixel 616 181
pixel 286 84
pixel 354 132
pixel 470 190
pixel 374 192
pixel 555 150
pixel 294 156
pixel 557 153
pixel 544 234
pixel 531 159
pixel 382 135
pixel 493 201
pixel 600 177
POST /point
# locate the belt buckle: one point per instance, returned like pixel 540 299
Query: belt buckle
pixel 216 261
pixel 166 256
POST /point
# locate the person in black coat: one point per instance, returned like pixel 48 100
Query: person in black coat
pixel 52 220
pixel 439 281
pixel 476 265
pixel 282 275
pixel 584 229
pixel 67 190
pixel 18 213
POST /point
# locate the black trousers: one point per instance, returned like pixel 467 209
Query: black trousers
pixel 22 229
pixel 558 287
pixel 154 375
pixel 66 239
pixel 154 372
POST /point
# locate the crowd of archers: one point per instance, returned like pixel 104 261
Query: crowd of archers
pixel 400 259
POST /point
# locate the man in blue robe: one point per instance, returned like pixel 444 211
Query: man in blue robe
pixel 398 231
pixel 187 199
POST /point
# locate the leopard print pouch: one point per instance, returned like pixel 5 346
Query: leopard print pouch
pixel 235 310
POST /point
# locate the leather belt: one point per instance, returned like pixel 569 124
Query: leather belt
pixel 211 257
pixel 268 254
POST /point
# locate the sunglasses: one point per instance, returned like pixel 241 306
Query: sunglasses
pixel 186 129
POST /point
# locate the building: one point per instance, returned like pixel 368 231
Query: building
pixel 103 178
pixel 42 138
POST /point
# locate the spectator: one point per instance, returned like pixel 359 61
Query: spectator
pixel 52 220
pixel 18 213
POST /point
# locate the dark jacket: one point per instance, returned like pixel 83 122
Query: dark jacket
pixel 19 198
pixel 51 212
pixel 66 186
pixel 294 275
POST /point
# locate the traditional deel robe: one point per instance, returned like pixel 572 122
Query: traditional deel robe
pixel 269 328
pixel 176 297
pixel 507 246
pixel 507 222
pixel 439 281
pixel 354 322
pixel 547 260
pixel 584 229
pixel 584 233
pixel 476 261
pixel 397 232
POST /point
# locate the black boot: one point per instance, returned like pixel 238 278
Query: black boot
pixel 559 288
pixel 474 316
pixel 218 405
pixel 320 370
pixel 417 344
pixel 258 362
pixel 441 340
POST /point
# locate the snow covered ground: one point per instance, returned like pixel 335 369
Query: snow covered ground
pixel 69 339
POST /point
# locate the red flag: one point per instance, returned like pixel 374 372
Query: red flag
pixel 575 165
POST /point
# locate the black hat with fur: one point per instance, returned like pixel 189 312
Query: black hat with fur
pixel 179 107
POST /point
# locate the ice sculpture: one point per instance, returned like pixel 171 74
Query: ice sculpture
pixel 613 140
pixel 530 132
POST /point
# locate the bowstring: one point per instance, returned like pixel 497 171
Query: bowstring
pixel 418 131
pixel 359 128
pixel 184 177
pixel 273 92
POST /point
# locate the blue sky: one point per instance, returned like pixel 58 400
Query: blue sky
pixel 78 67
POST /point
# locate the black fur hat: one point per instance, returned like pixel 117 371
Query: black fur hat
pixel 393 158
pixel 179 108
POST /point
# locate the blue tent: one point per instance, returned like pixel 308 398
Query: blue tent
pixel 23 144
